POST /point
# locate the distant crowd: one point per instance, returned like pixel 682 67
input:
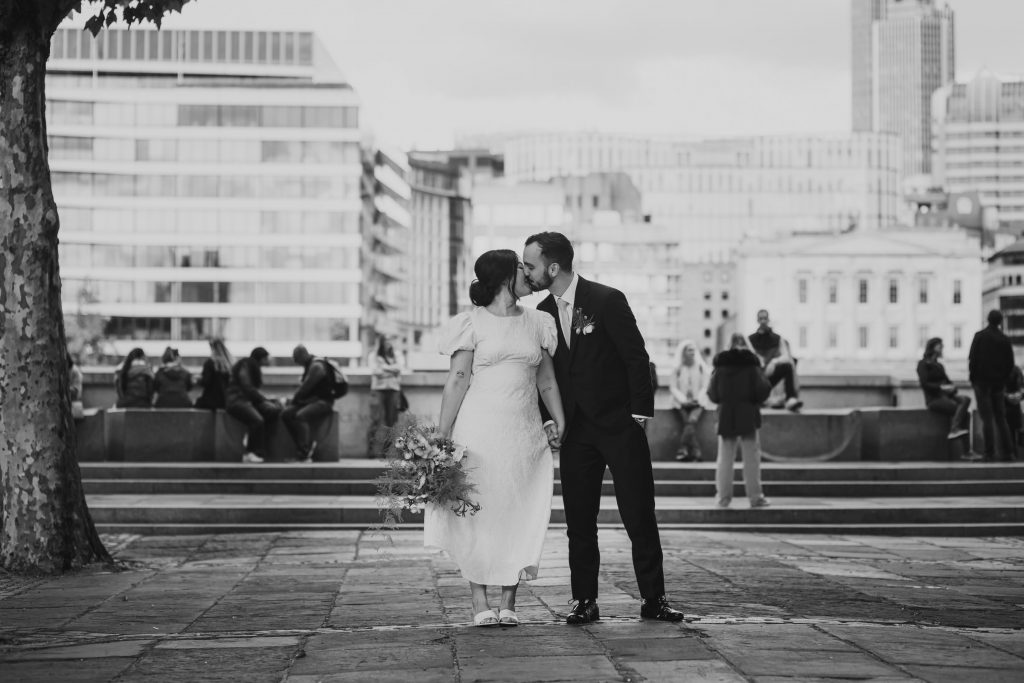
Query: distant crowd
pixel 237 387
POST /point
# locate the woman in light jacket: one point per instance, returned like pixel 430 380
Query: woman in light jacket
pixel 739 387
pixel 689 397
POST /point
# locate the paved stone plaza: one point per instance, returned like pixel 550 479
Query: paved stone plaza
pixel 345 606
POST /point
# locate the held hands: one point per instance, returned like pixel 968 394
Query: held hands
pixel 555 434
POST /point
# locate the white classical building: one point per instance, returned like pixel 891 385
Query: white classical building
pixel 209 185
pixel 864 301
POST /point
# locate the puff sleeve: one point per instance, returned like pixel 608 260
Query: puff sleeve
pixel 457 335
pixel 547 332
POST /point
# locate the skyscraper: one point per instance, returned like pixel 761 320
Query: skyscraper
pixel 902 51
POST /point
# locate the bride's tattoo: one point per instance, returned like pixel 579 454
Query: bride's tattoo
pixel 545 389
pixel 460 373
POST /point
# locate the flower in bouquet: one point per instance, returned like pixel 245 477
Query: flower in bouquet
pixel 423 466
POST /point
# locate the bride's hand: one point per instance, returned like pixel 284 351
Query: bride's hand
pixel 553 434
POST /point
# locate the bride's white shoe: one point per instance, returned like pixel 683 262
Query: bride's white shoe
pixel 507 617
pixel 485 618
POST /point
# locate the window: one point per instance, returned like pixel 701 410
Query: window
pixel 725 296
pixel 862 291
pixel 922 335
pixel 725 313
pixel 862 336
pixel 833 336
pixel 802 336
pixel 894 291
pixel 922 291
pixel 801 289
pixel 894 337
pixel 707 296
pixel 833 290
pixel 707 333
pixel 957 291
pixel 707 314
pixel 958 337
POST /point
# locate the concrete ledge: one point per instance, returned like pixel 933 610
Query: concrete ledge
pixel 146 435
pixel 907 434
pixel 228 433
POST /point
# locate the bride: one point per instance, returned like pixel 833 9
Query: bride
pixel 500 359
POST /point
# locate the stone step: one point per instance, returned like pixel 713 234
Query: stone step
pixel 892 529
pixel 239 510
pixel 691 488
pixel 346 470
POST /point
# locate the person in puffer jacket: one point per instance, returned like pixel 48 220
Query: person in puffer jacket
pixel 739 387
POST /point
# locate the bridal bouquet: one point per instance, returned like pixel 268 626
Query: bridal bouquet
pixel 423 467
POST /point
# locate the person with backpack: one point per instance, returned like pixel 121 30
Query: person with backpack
pixel 313 400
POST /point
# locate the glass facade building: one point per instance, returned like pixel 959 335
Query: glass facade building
pixel 208 185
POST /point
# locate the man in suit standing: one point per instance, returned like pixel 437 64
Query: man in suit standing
pixel 603 374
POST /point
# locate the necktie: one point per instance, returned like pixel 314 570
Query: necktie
pixel 565 318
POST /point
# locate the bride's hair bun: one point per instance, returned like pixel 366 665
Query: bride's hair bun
pixel 494 269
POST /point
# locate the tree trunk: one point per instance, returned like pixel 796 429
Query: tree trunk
pixel 45 525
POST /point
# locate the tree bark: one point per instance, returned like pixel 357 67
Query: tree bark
pixel 45 525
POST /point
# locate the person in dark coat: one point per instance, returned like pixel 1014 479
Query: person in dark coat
pixel 133 381
pixel 311 403
pixel 990 363
pixel 215 377
pixel 172 383
pixel 247 403
pixel 739 387
pixel 940 394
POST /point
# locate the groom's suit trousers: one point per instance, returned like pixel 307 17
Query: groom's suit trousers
pixel 588 449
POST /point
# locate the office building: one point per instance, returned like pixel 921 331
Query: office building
pixel 385 222
pixel 438 255
pixel 208 185
pixel 864 302
pixel 1004 290
pixel 978 137
pixel 902 51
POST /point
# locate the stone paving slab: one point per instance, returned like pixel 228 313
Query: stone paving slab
pixel 348 606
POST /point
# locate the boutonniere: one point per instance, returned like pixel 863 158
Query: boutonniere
pixel 581 323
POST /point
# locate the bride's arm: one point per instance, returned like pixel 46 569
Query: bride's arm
pixel 548 388
pixel 455 390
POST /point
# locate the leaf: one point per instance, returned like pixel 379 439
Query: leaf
pixel 111 17
pixel 94 24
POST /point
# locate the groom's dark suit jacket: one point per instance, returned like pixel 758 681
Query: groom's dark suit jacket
pixel 605 375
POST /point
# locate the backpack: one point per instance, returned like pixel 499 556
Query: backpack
pixel 339 383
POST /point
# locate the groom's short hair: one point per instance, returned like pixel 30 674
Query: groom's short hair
pixel 555 247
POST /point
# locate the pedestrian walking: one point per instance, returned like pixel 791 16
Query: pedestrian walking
pixel 739 387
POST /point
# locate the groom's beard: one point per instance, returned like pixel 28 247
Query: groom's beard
pixel 538 285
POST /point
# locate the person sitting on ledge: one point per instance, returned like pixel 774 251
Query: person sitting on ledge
pixel 173 382
pixel 312 401
pixel 134 381
pixel 247 403
pixel 779 364
pixel 940 394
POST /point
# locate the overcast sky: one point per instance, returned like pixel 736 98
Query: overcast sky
pixel 428 70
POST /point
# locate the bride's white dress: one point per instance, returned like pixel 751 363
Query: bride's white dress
pixel 509 460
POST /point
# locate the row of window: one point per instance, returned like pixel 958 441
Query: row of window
pixel 129 292
pixel 309 255
pixel 224 222
pixel 66 184
pixel 221 151
pixel 260 47
pixel 864 286
pixel 892 337
pixel 259 329
pixel 77 113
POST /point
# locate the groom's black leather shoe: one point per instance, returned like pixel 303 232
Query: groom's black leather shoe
pixel 584 612
pixel 658 608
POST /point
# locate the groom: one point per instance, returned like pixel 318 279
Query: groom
pixel 603 375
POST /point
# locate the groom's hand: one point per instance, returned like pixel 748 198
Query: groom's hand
pixel 554 438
